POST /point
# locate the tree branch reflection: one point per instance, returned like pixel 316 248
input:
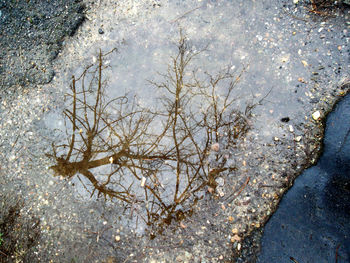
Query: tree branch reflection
pixel 157 160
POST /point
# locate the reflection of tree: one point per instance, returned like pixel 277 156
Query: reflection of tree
pixel 160 158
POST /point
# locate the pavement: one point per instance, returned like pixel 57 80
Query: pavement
pixel 31 36
pixel 294 63
pixel 311 223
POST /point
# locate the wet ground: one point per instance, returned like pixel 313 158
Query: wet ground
pixel 311 223
pixel 31 35
pixel 174 145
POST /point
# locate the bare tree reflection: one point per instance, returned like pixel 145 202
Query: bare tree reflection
pixel 154 161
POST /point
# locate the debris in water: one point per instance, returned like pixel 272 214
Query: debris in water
pixel 143 181
pixel 215 147
pixel 304 63
pixel 285 119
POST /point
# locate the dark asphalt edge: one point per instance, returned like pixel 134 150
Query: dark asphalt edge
pixel 251 244
pixel 31 37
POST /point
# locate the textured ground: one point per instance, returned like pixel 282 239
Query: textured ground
pixel 300 59
pixel 31 35
pixel 314 214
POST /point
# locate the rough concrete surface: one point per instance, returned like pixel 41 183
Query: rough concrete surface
pixel 295 61
pixel 31 34
pixel 313 216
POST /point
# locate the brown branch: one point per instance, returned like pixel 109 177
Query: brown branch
pixel 119 132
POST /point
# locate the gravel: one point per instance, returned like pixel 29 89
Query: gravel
pixel 31 36
pixel 274 37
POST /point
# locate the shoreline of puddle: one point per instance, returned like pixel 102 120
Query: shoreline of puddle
pixel 312 215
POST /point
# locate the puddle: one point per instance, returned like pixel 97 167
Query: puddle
pixel 312 221
pixel 155 163
pixel 155 170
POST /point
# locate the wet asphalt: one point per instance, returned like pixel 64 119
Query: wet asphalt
pixel 312 223
pixel 31 36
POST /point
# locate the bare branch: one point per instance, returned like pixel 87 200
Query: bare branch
pixel 160 158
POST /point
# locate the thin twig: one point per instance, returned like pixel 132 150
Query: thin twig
pixel 245 184
pixel 336 253
pixel 293 16
pixel 230 198
pixel 14 144
pixel 178 18
pixel 3 253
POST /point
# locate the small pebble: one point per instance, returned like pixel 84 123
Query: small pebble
pixel 234 230
pixel 100 31
pixel 215 147
pixel 220 191
pixel 143 181
pixel 298 138
pixel 316 115
pixel 236 238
